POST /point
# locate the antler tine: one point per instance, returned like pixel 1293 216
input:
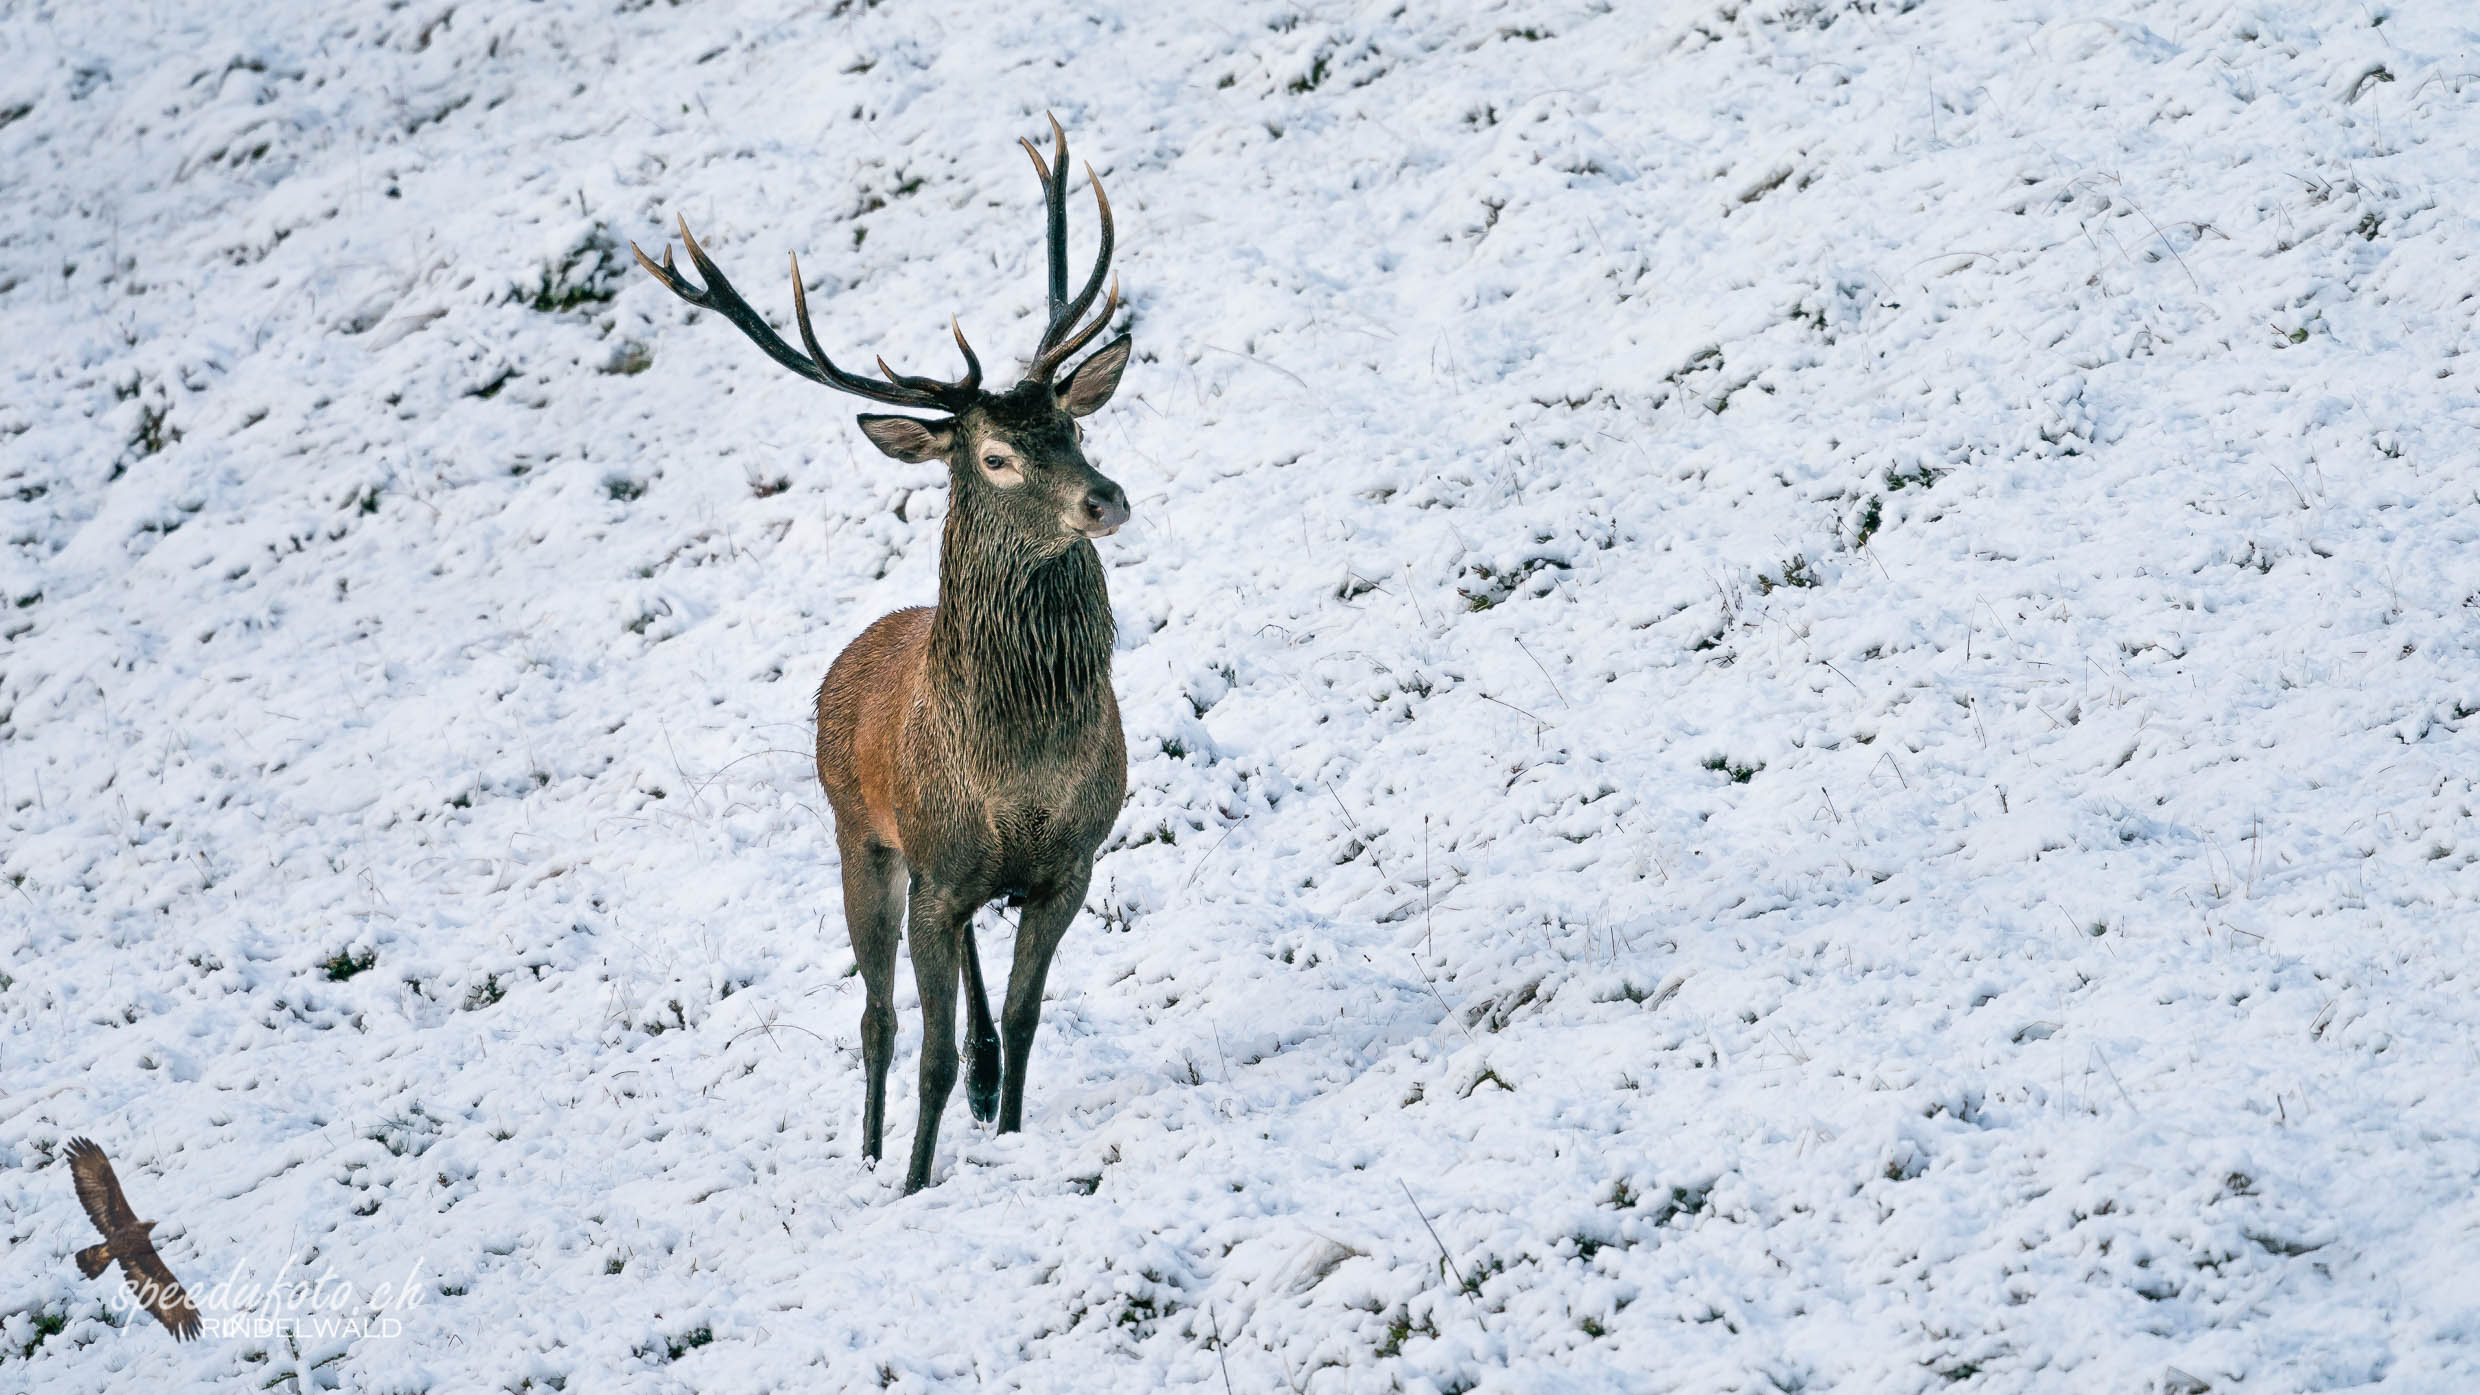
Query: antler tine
pixel 1050 359
pixel 907 380
pixel 965 386
pixel 898 390
pixel 972 363
pixel 800 311
pixel 1056 235
pixel 719 296
pixel 664 274
pixel 1064 317
pixel 1055 202
pixel 1075 309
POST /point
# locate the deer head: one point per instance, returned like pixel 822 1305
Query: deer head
pixel 1015 459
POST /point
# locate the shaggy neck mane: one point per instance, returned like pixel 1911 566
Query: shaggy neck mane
pixel 1023 641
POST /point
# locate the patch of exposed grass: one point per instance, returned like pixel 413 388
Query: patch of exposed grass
pixel 1740 773
pixel 344 964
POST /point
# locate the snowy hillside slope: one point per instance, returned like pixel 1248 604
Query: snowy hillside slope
pixel 1799 680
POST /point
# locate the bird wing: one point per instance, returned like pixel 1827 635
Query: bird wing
pixel 160 1292
pixel 97 1189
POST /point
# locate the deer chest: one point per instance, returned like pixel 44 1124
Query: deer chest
pixel 1034 831
pixel 1021 827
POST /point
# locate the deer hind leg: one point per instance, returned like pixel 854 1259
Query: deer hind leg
pixel 1045 922
pixel 939 928
pixel 981 1039
pixel 874 878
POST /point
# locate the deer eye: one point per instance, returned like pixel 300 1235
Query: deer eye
pixel 1002 466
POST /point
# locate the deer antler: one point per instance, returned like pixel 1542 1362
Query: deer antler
pixel 1058 342
pixel 897 390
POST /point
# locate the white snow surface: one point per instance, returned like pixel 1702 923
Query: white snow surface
pixel 1799 677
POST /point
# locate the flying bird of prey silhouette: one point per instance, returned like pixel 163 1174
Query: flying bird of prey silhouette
pixel 126 1239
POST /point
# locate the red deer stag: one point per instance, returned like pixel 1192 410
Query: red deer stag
pixel 972 749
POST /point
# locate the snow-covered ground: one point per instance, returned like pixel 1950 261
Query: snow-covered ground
pixel 1799 679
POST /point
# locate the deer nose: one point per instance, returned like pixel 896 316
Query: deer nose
pixel 1106 508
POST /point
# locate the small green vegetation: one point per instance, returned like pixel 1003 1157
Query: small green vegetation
pixel 587 275
pixel 46 1326
pixel 1399 1328
pixel 1740 774
pixel 1683 1201
pixel 344 964
pixel 1493 586
pixel 1794 572
pixel 1488 1076
pixel 408 1134
pixel 153 433
pixel 1140 1312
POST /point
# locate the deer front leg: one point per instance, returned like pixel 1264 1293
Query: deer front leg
pixel 873 910
pixel 1044 924
pixel 938 928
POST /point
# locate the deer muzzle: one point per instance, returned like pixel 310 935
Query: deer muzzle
pixel 1103 510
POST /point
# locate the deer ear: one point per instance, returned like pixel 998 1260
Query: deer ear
pixel 907 439
pixel 1096 378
